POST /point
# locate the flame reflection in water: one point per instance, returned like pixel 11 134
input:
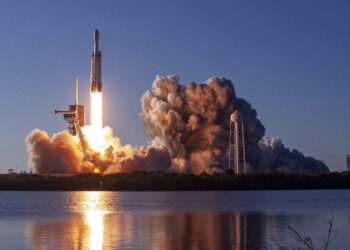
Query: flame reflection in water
pixel 94 218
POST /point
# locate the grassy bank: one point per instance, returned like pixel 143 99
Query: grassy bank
pixel 161 181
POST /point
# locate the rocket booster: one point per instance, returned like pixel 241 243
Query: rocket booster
pixel 95 79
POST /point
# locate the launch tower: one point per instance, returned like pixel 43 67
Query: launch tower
pixel 75 117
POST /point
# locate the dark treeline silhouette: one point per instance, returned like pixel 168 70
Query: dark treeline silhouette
pixel 165 181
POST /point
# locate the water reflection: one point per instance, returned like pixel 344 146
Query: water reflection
pixel 94 219
pixel 168 220
pixel 95 227
pixel 201 230
pixel 102 220
pixel 82 231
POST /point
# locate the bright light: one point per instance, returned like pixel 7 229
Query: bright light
pixel 94 133
pixel 96 110
pixel 94 218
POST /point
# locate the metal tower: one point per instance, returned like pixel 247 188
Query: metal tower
pixel 75 117
pixel 348 162
pixel 236 154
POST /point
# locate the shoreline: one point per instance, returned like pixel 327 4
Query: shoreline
pixel 163 181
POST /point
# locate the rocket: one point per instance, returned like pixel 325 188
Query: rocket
pixel 95 79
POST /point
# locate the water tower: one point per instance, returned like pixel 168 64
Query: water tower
pixel 236 154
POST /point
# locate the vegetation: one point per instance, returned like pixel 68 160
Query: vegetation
pixel 304 241
pixel 164 181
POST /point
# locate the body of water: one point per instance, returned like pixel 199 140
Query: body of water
pixel 171 220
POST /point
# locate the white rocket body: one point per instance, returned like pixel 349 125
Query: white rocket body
pixel 95 79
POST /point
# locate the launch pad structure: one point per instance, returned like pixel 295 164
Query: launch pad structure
pixel 236 154
pixel 75 117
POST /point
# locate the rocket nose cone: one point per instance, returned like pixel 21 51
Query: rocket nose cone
pixel 96 35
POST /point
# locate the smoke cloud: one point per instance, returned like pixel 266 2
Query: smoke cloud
pixel 275 156
pixel 59 154
pixel 63 154
pixel 189 128
pixel 192 122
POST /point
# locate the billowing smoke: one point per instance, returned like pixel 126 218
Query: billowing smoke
pixel 59 154
pixel 63 154
pixel 192 121
pixel 275 156
pixel 189 128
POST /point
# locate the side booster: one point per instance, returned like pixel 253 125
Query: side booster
pixel 95 79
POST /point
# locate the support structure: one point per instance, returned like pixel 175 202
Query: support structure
pixel 348 162
pixel 75 117
pixel 236 154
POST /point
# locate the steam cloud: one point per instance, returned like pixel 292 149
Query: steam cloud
pixel 189 128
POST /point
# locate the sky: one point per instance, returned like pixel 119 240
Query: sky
pixel 289 59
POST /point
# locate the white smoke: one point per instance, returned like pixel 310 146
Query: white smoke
pixel 189 128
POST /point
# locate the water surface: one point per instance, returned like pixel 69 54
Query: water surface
pixel 170 220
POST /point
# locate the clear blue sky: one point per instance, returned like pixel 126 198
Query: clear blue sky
pixel 289 59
